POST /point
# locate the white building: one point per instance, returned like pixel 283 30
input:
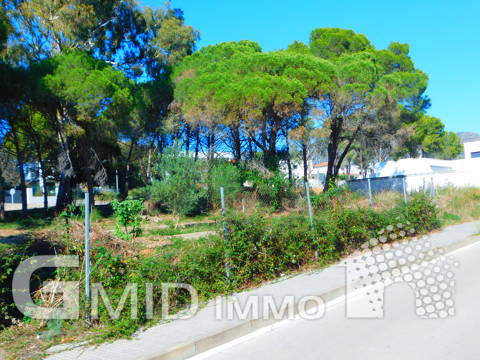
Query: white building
pixel 472 149
pixel 425 172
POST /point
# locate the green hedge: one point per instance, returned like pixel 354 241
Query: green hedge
pixel 257 249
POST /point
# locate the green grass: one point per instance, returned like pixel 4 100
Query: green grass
pixel 182 230
pixel 34 219
pixel 4 247
pixel 448 219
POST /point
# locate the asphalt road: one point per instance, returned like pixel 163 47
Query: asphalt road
pixel 399 335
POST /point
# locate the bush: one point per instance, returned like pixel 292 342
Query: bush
pixel 258 248
pixel 347 229
pixel 272 190
pixel 107 196
pixel 178 184
pixel 420 211
pixel 141 193
pixel 335 195
pixel 226 175
pixel 128 216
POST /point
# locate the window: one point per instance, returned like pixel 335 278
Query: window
pixel 475 154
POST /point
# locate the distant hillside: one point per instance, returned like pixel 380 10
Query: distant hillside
pixel 466 136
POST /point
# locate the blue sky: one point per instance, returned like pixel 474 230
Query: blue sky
pixel 444 37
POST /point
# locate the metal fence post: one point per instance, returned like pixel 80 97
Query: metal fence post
pixel 116 181
pixel 310 214
pixel 87 254
pixel 370 196
pixel 405 198
pixel 432 189
pixel 225 232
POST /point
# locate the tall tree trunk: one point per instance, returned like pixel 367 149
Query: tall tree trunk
pixel 305 162
pixel 250 148
pixel 149 164
pixel 64 195
pixel 289 160
pixel 332 150
pixel 44 185
pixel 197 142
pixel 23 185
pixel 127 168
pixel 187 139
pixel 2 197
pixel 237 144
pixel 21 170
pixel 43 176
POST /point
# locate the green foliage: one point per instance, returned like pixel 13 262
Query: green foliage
pixel 140 193
pixel 448 218
pixel 107 196
pixel 95 89
pixel 239 85
pixel 178 184
pixel 258 248
pixel 128 215
pixel 334 194
pixel 349 228
pixel 271 190
pixel 332 42
pixel 420 212
pixel 10 258
pixel 433 140
pixel 226 175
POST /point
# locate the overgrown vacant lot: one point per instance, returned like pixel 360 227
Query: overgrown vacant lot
pixel 262 245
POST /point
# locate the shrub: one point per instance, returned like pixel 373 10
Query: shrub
pixel 140 193
pixel 107 196
pixel 258 248
pixel 420 211
pixel 178 184
pixel 226 175
pixel 272 190
pixel 335 195
pixel 347 229
pixel 128 216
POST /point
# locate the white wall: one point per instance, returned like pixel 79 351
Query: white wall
pixel 471 147
pixel 39 199
pixel 464 178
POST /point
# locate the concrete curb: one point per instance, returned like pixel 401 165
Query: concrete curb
pixel 230 333
pixel 177 341
pixel 236 331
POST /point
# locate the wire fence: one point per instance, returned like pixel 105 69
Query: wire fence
pixel 400 183
pixel 292 200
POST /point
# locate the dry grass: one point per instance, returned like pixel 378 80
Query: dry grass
pixel 455 204
pixel 458 204
pixel 387 200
